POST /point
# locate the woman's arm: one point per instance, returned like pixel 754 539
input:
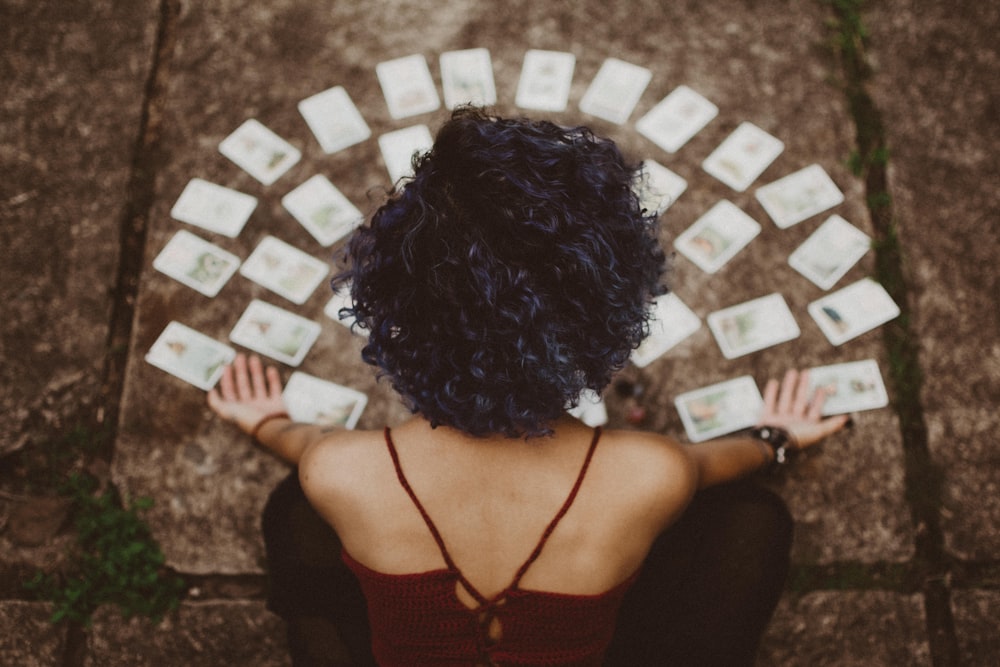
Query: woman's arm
pixel 250 396
pixel 787 406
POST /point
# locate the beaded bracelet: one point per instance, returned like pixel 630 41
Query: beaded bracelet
pixel 259 425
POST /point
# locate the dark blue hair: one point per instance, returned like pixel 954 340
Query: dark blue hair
pixel 513 271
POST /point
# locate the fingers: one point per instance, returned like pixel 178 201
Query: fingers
pixel 787 395
pixel 242 377
pixel 257 381
pixel 273 382
pixel 771 397
pixel 801 400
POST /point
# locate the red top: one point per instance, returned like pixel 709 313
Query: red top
pixel 417 619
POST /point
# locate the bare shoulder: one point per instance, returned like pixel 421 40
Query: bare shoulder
pixel 335 470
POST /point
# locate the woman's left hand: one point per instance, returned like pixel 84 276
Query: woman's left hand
pixel 791 407
pixel 247 393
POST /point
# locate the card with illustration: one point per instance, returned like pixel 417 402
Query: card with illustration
pixel 753 325
pixel 850 387
pixel 284 269
pixel 720 408
pixel 717 236
pixel 546 79
pixel 334 119
pixel 407 85
pixel 830 252
pixel 676 118
pixel 399 146
pixel 323 210
pixel 659 187
pixel 190 355
pixel 312 400
pixel 260 152
pixel 196 263
pixel 743 156
pixel 615 90
pixel 341 299
pixel 275 332
pixel 853 310
pixel 671 322
pixel 467 78
pixel 213 207
pixel 591 409
pixel 800 195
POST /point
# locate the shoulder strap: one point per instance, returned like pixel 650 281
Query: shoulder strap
pixel 562 512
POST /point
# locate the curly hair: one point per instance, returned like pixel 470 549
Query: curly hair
pixel 513 271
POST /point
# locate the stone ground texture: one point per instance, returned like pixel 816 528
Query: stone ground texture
pixel 111 107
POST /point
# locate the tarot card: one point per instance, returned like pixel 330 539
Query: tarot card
pixel 671 322
pixel 720 408
pixel 546 79
pixel 341 299
pixel 197 263
pixel 259 151
pixel 407 86
pixel 190 355
pixel 591 409
pixel 323 210
pixel 284 269
pixel 315 401
pixel 853 310
pixel 753 325
pixel 799 195
pixel 615 90
pixel 676 118
pixel 850 387
pixel 830 252
pixel 275 332
pixel 213 207
pixel 659 187
pixel 467 78
pixel 399 147
pixel 743 156
pixel 717 236
pixel 334 119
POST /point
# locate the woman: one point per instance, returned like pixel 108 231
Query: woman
pixel 514 271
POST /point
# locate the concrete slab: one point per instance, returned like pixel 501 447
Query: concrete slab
pixel 847 629
pixel 936 81
pixel 28 638
pixel 976 614
pixel 198 634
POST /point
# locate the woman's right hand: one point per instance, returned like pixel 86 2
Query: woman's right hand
pixel 789 405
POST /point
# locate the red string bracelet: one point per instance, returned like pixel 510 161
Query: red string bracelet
pixel 259 425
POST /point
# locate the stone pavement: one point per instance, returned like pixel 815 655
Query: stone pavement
pixel 111 107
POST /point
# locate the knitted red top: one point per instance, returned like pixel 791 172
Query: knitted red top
pixel 416 619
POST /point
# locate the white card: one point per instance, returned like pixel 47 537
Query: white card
pixel 197 263
pixel 853 310
pixel 671 322
pixel 546 79
pixel 676 118
pixel 259 151
pixel 850 387
pixel 334 119
pixel 213 207
pixel 284 269
pixel 312 400
pixel 615 90
pixel 720 408
pixel 591 409
pixel 399 147
pixel 743 156
pixel 407 86
pixel 800 195
pixel 190 355
pixel 717 236
pixel 275 332
pixel 467 78
pixel 830 252
pixel 341 299
pixel 659 187
pixel 753 325
pixel 323 210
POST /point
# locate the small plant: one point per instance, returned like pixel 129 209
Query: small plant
pixel 115 561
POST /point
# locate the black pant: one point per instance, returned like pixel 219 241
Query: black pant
pixel 704 598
